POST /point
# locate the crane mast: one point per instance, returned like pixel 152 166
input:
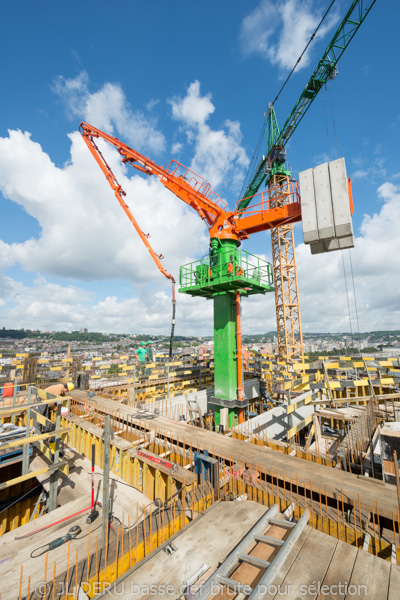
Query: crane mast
pixel 272 169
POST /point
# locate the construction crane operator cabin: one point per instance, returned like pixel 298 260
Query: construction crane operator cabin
pixel 139 470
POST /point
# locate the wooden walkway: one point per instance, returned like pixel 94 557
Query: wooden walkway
pixel 320 566
pixel 317 567
pixel 370 494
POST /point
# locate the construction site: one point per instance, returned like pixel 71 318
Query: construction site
pixel 188 476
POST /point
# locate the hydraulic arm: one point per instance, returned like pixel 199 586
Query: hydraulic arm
pixel 119 194
pixel 194 191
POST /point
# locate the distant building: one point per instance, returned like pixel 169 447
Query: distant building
pixel 267 348
pixel 83 330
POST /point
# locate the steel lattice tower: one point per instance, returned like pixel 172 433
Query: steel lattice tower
pixel 290 337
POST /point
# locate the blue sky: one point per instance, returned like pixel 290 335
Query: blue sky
pixel 188 81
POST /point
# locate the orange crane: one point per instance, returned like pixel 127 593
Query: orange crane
pixel 227 273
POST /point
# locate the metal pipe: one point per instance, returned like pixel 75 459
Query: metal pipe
pixel 239 354
pixel 25 450
pixel 14 399
pixel 106 479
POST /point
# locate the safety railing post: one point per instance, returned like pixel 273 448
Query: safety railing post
pixel 25 450
pixel 54 475
pixel 106 479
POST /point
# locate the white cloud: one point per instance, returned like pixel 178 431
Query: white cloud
pixel 46 305
pixel 108 109
pixel 322 292
pixel 360 174
pixel 218 154
pixel 84 233
pixel 42 305
pixel 375 260
pixel 193 109
pixel 279 32
pixel 176 148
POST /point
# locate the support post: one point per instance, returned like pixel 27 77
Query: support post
pixel 239 356
pixel 168 379
pixel 133 385
pixel 14 400
pixel 68 357
pixel 371 387
pixel 25 450
pixel 225 367
pixel 54 476
pixel 396 472
pixel 106 479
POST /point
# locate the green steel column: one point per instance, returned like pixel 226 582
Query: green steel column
pixel 225 363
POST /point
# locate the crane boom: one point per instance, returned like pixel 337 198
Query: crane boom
pixel 326 69
pixel 191 188
pixel 186 184
pixel 88 135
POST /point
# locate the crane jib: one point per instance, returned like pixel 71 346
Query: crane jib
pixel 325 70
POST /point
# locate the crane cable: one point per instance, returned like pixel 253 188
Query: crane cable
pixel 341 251
pixel 252 164
pixel 347 297
pixel 305 49
pixel 351 262
pixel 326 127
pixel 256 151
pixel 355 301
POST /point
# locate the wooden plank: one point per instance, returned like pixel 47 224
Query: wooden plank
pixel 336 480
pixel 18 552
pixel 370 577
pixel 31 475
pixel 287 565
pixel 339 572
pixel 309 568
pixel 292 432
pixel 394 583
pixel 303 402
pixel 41 419
pixel 380 585
pixel 34 438
pixel 21 407
pixel 44 450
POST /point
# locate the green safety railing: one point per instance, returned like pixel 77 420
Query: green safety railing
pixel 226 271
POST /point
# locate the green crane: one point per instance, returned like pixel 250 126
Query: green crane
pixel 273 170
pixel 274 161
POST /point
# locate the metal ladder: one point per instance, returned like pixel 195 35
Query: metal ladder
pixel 193 411
pixel 221 577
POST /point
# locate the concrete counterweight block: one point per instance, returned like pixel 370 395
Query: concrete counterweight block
pixel 325 207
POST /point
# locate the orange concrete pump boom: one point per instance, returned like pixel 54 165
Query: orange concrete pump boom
pixel 119 193
pixel 263 211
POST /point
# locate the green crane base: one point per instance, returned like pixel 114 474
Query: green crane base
pixel 220 275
